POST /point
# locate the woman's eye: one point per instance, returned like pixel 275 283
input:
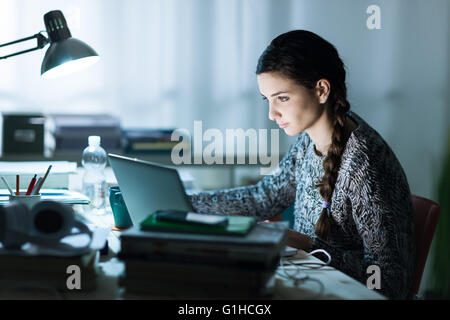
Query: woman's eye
pixel 283 99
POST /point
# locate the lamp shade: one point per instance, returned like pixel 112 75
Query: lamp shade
pixel 65 54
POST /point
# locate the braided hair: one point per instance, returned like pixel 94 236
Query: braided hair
pixel 306 58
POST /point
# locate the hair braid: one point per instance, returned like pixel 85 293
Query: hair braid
pixel 331 164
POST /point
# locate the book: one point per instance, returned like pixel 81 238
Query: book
pixel 237 225
pixel 150 141
pixel 23 261
pixel 56 280
pixel 200 273
pixel 260 246
pixel 58 177
pixel 181 290
pixel 207 256
pixel 71 131
pixel 51 271
pixel 59 195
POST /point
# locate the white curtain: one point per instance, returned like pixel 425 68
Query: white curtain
pixel 164 63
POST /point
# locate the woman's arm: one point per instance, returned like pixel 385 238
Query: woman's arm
pixel 299 240
pixel 265 200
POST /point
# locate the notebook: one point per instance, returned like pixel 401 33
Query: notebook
pixel 237 225
pixel 59 195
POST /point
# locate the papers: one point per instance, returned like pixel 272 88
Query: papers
pixel 58 176
pixel 36 167
pixel 59 195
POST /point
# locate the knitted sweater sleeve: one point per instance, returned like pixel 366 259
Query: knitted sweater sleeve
pixel 382 211
pixel 264 200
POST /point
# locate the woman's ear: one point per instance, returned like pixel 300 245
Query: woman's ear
pixel 322 90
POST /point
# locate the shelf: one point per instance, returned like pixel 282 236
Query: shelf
pixel 162 158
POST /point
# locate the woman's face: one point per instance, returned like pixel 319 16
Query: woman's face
pixel 294 107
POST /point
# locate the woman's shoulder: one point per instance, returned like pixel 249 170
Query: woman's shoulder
pixel 367 151
pixel 370 168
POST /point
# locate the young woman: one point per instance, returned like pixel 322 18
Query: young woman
pixel 350 194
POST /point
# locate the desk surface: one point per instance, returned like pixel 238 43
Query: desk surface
pixel 324 283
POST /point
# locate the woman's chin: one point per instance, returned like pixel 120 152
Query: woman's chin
pixel 290 132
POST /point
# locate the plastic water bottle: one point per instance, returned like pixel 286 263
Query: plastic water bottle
pixel 94 179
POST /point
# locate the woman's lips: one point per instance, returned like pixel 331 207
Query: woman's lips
pixel 283 125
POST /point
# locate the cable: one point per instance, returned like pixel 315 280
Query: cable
pixel 298 276
pixel 315 265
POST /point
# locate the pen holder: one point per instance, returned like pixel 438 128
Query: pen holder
pixel 29 201
pixel 122 218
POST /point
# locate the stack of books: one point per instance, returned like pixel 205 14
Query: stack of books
pixel 71 131
pixel 21 268
pixel 189 263
pixel 150 141
pixel 59 176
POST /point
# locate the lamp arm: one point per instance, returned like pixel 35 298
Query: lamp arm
pixel 42 41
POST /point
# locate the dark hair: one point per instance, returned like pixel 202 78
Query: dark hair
pixel 306 58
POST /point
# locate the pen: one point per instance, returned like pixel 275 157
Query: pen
pixel 31 186
pixel 42 182
pixel 17 185
pixel 7 185
pixel 37 187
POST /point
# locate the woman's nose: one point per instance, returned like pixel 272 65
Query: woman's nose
pixel 273 114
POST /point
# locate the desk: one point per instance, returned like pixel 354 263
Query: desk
pixel 336 285
pixel 324 283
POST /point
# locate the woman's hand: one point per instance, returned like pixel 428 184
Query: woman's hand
pixel 299 240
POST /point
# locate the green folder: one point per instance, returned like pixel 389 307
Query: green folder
pixel 237 225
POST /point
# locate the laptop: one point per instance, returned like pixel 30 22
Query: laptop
pixel 147 187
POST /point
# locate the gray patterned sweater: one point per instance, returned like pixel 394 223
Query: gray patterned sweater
pixel 371 208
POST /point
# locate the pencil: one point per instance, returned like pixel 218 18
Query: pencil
pixel 7 185
pixel 43 180
pixel 17 185
pixel 37 186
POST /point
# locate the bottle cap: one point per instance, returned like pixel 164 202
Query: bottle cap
pixel 94 140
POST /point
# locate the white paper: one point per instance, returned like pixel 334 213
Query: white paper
pixel 36 167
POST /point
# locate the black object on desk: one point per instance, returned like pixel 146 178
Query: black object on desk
pixel 150 141
pixel 23 133
pixel 72 131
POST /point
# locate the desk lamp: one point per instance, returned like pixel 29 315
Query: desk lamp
pixel 65 54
